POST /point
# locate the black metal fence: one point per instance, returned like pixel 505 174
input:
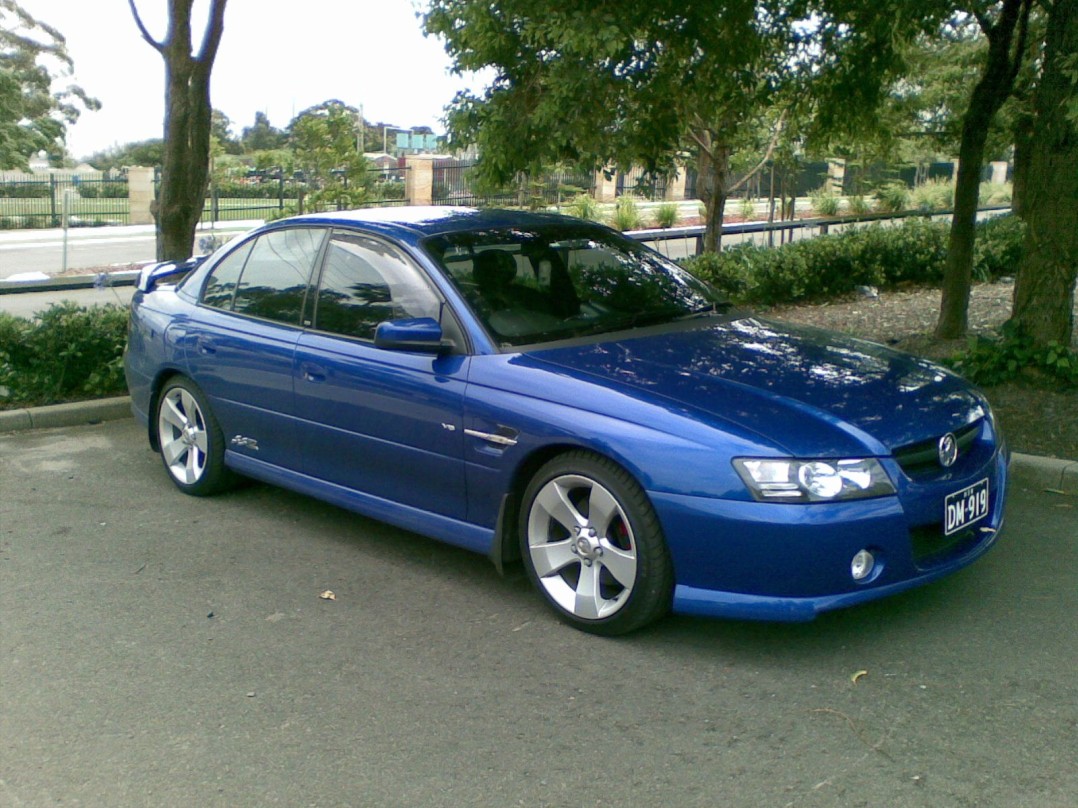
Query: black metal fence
pixel 456 182
pixel 87 201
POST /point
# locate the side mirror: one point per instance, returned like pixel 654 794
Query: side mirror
pixel 420 335
pixel 154 274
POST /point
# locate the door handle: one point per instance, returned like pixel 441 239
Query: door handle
pixel 313 373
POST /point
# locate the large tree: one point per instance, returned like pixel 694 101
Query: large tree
pixel 615 82
pixel 188 123
pixel 1045 287
pixel 33 115
pixel 325 144
pixel 1005 24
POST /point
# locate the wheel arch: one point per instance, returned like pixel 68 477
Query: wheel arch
pixel 505 549
pixel 158 384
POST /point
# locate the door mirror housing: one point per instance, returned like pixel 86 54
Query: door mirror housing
pixel 418 334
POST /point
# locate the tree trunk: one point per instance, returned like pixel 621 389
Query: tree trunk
pixel 988 96
pixel 1044 290
pixel 713 186
pixel 188 121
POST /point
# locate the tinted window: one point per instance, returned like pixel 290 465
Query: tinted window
pixel 274 281
pixel 559 281
pixel 221 286
pixel 366 282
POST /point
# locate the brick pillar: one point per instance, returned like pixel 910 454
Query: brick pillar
pixel 675 187
pixel 419 179
pixel 999 171
pixel 140 195
pixel 836 176
pixel 606 190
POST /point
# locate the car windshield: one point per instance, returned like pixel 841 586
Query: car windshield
pixel 537 284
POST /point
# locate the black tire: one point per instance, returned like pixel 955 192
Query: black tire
pixel 593 547
pixel 189 439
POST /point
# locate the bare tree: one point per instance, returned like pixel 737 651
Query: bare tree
pixel 188 121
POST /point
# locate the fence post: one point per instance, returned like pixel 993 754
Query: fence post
pixel 139 195
pixel 52 201
pixel 419 179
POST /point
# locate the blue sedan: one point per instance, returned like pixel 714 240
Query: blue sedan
pixel 542 389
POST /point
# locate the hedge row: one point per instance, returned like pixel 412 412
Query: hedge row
pixel 829 266
pixel 65 352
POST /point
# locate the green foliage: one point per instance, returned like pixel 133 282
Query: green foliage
pixel 894 197
pixel 860 205
pixel 32 117
pixel 667 214
pixel 829 266
pixel 626 214
pixel 325 146
pixel 746 209
pixel 825 202
pixel 994 193
pixel 65 352
pixel 25 190
pixel 993 361
pixel 997 250
pixel 102 190
pixel 933 195
pixel 584 206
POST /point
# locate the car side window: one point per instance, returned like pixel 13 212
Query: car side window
pixel 220 287
pixel 276 275
pixel 365 282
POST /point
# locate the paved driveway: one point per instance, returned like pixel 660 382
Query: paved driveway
pixel 164 651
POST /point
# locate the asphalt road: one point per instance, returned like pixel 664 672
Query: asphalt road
pixel 160 650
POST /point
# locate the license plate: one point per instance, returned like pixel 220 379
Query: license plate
pixel 962 508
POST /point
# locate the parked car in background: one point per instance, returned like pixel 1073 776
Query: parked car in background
pixel 536 387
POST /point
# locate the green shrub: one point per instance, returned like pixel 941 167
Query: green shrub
pixel 626 214
pixel 65 352
pixel 746 209
pixel 667 214
pixel 933 195
pixel 997 250
pixel 828 266
pixel 894 197
pixel 994 193
pixel 860 205
pixel 584 206
pixel 33 189
pixel 825 202
pixel 992 361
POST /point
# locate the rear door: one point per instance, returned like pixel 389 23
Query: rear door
pixel 241 341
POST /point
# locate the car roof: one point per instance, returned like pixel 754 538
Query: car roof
pixel 422 222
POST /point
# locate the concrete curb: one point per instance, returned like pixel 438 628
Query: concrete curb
pixel 75 413
pixel 1046 472
pixel 1043 472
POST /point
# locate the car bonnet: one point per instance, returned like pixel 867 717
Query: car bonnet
pixel 810 391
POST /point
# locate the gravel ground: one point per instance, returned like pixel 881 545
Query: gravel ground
pixel 905 320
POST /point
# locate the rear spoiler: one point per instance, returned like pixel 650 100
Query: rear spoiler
pixel 173 271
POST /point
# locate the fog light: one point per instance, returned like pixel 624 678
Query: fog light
pixel 862 565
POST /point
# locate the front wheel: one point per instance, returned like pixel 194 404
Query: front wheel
pixel 593 547
pixel 190 440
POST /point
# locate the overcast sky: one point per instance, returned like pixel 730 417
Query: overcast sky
pixel 276 56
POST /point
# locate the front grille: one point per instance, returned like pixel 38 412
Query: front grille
pixel 922 458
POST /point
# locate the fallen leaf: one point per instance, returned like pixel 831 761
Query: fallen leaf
pixel 858 675
pixel 328 595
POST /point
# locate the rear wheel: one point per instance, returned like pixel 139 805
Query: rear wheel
pixel 593 547
pixel 190 440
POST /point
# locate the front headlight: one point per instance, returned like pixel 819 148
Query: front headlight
pixel 787 480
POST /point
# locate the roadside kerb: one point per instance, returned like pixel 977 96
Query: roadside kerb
pixel 1043 472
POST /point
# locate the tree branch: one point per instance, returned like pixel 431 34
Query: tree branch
pixel 767 155
pixel 215 26
pixel 157 46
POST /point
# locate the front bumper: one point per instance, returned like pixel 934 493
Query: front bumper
pixel 789 562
